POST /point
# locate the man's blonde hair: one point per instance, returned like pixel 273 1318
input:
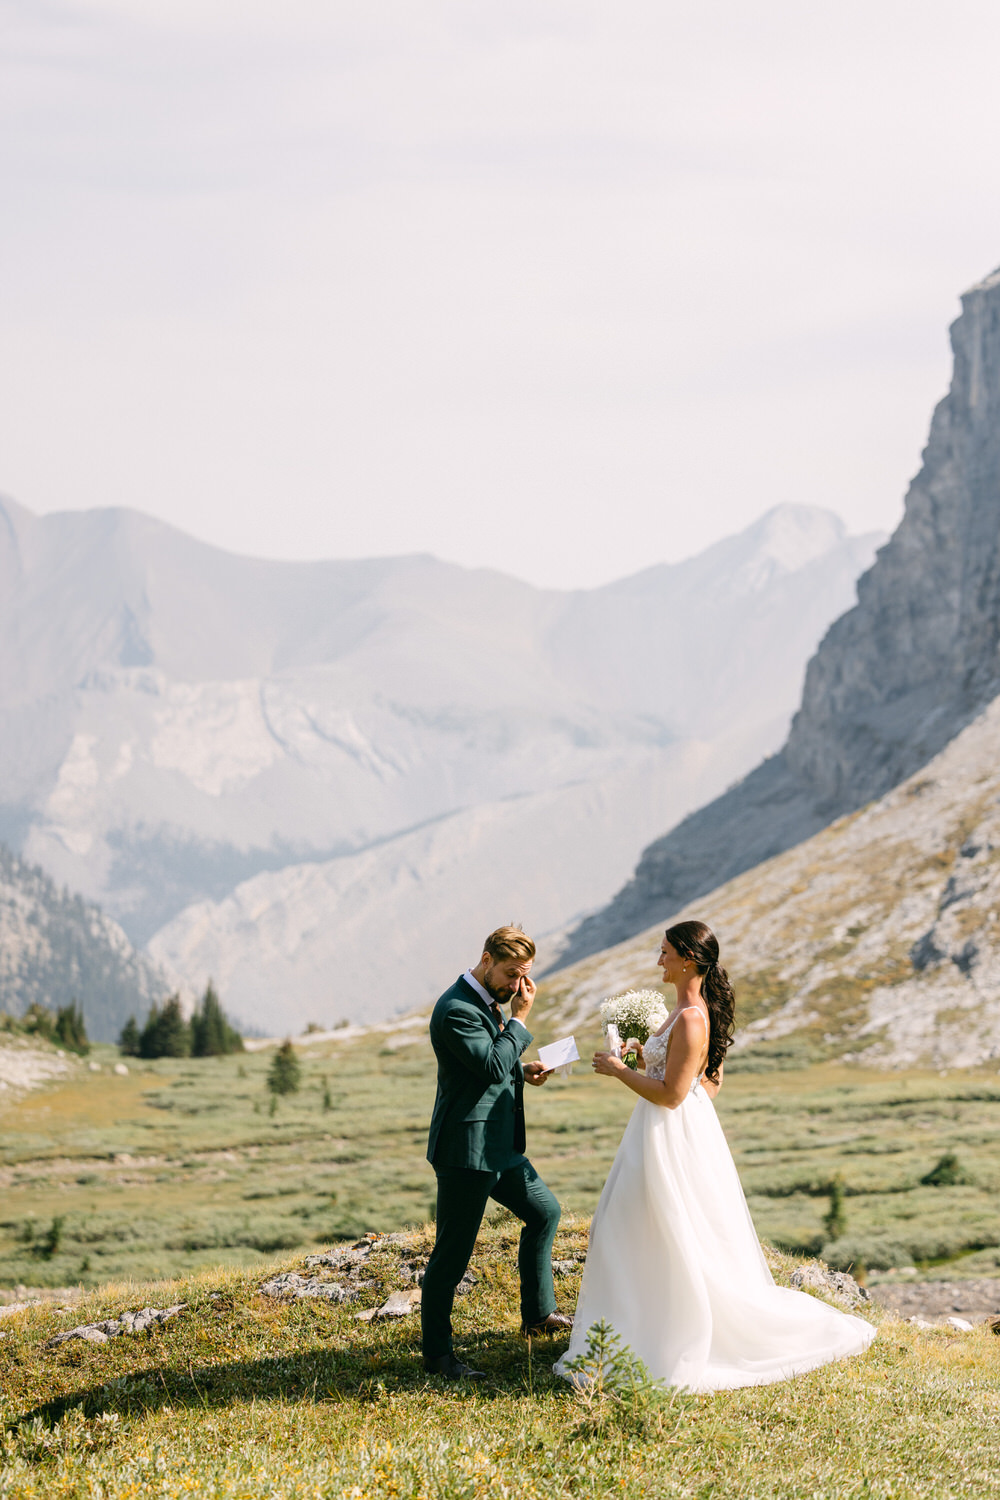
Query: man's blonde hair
pixel 509 943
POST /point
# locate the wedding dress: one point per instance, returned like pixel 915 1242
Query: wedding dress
pixel 675 1266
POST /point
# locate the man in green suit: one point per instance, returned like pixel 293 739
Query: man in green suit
pixel 476 1143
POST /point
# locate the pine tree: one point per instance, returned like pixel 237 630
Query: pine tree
pixel 284 1073
pixel 128 1042
pixel 212 1035
pixel 71 1030
pixel 166 1033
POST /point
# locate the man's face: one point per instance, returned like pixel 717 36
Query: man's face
pixel 502 978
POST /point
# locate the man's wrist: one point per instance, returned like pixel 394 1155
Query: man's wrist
pixel 517 1020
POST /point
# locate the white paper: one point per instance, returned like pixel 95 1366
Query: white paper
pixel 614 1040
pixel 559 1054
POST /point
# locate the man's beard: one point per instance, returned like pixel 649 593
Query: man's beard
pixel 502 997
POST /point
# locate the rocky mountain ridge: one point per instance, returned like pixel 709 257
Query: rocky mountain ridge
pixel 56 948
pixel 875 941
pixel 894 679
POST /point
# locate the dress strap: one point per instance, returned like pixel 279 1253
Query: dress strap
pixel 696 1009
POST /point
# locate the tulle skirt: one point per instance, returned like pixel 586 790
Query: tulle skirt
pixel 675 1266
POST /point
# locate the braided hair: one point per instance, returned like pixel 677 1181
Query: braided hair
pixel 698 943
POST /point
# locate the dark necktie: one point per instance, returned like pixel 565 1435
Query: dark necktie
pixel 497 1014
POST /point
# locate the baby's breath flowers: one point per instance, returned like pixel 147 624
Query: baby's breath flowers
pixel 636 1013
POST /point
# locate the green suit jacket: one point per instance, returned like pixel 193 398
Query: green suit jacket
pixel 478 1119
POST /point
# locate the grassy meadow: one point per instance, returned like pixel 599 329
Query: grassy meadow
pixel 241 1397
pixel 181 1165
pixel 177 1183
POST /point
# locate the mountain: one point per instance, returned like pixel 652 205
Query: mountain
pixel 56 948
pixel 875 941
pixel 229 753
pixel 894 679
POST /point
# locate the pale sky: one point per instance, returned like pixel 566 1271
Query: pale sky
pixel 558 286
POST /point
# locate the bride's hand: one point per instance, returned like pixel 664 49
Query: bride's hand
pixel 607 1062
pixel 633 1045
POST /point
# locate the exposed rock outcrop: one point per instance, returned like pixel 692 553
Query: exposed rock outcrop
pixel 112 1328
pixel 894 679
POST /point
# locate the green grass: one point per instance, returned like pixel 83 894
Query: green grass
pixel 243 1397
pixel 180 1165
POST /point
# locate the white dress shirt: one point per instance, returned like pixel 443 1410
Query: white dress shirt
pixel 470 978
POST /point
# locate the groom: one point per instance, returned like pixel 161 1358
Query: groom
pixel 476 1143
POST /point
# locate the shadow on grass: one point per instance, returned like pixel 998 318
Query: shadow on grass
pixel 319 1375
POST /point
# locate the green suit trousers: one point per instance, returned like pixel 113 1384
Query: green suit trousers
pixel 462 1195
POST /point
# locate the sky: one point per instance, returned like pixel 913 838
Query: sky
pixel 564 287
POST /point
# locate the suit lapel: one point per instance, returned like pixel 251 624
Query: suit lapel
pixel 478 1000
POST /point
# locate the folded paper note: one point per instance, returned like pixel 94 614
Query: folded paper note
pixel 559 1055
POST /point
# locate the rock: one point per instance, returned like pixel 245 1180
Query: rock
pixel 961 1324
pixel 366 1316
pixel 121 1069
pixel 920 1323
pixel 110 1328
pixel 836 1284
pixel 400 1304
pixel 566 1267
pixel 94 1067
pixel 291 1284
pixel 893 680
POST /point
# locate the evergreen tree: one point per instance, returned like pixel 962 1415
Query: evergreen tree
pixel 284 1073
pixel 70 1028
pixel 128 1042
pixel 166 1033
pixel 212 1035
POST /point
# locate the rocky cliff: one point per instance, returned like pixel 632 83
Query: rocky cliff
pixel 894 679
pixel 875 941
pixel 56 948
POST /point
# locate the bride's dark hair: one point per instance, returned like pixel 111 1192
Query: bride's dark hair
pixel 698 943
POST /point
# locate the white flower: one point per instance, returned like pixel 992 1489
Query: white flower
pixel 636 1013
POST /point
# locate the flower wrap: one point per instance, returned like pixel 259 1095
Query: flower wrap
pixel 636 1013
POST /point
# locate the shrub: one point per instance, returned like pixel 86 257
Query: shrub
pixel 947 1173
pixel 835 1220
pixel 37 1021
pixel 284 1074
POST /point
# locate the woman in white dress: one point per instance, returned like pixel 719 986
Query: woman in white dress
pixel 674 1263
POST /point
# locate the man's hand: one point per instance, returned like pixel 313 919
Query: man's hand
pixel 523 998
pixel 535 1073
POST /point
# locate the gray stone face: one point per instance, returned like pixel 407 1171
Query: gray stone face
pixel 894 679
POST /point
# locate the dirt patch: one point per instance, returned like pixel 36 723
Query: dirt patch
pixel 974 1300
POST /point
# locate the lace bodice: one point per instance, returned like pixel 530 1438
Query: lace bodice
pixel 655 1054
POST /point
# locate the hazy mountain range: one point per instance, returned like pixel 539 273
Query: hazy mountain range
pixel 316 782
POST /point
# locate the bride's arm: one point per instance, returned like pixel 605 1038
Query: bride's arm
pixel 686 1050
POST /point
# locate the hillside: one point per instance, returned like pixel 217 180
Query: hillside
pixel 894 679
pixel 236 1394
pixel 56 948
pixel 876 941
pixel 228 753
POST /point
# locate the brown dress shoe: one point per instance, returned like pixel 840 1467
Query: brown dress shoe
pixel 556 1322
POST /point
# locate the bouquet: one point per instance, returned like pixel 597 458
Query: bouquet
pixel 636 1015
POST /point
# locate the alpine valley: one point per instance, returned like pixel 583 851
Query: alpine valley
pixel 319 783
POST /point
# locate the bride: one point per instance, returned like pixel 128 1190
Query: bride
pixel 674 1263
